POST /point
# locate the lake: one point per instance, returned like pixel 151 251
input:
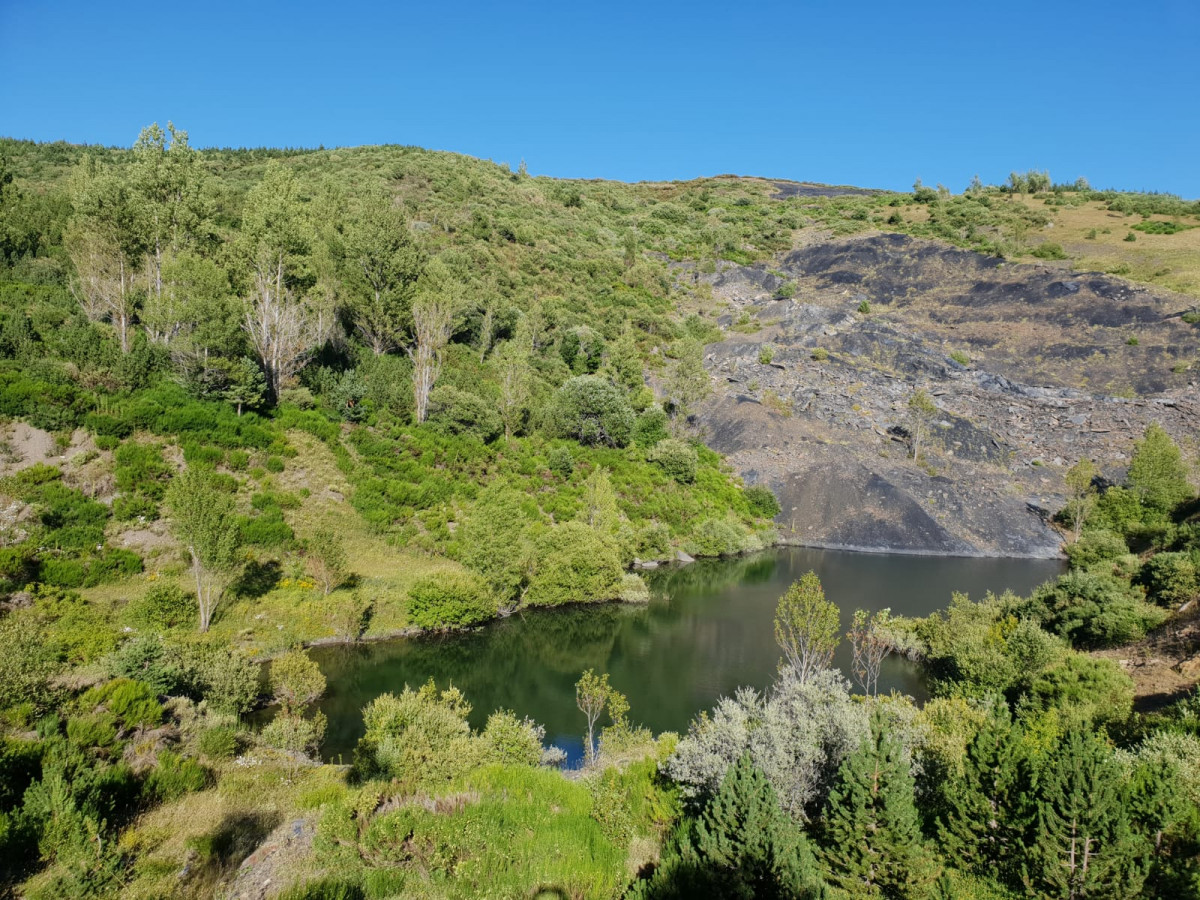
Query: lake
pixel 708 630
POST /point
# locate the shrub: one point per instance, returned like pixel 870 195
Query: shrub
pixel 1096 546
pixel 717 537
pixel 591 410
pixel 133 702
pixel 450 601
pixel 560 461
pixel 274 464
pixel 267 529
pixel 820 354
pixel 650 427
pixel 219 742
pixel 418 737
pixel 493 540
pixel 163 606
pixel 1092 610
pixel 513 741
pixel 1049 250
pixel 294 733
pixel 762 501
pixel 677 458
pixel 128 507
pixel 573 563
pixel 227 680
pixel 296 681
pixel 174 776
pixel 114 565
pixel 1084 688
pixel 456 412
pixel 1170 578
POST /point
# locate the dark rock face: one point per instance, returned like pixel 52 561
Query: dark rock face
pixel 833 437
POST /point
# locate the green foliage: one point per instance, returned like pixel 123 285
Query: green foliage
pixel 1092 609
pixel 418 737
pixel 762 502
pixel 512 741
pixel 326 559
pixel 1048 250
pixel 1171 579
pixel 494 541
pixel 677 458
pixel 27 663
pixel 164 606
pixel 1157 474
pixel 173 776
pixel 456 412
pixel 572 564
pixel 650 427
pixel 1096 546
pixel 133 702
pixel 806 626
pixel 296 681
pixel 592 411
pixel 560 461
pixel 203 520
pixel 871 836
pixel 295 734
pixel 450 601
pixel 219 742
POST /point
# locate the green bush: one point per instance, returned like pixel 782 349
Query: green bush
pixel 762 501
pixel 267 529
pixel 174 776
pixel 677 458
pixel 717 537
pixel 574 564
pixel 274 464
pixel 456 412
pixel 560 461
pixel 1170 578
pixel 133 702
pixel 593 411
pixel 219 742
pixel 1084 688
pixel 450 601
pixel 128 507
pixel 1048 250
pixel 1092 610
pixel 165 605
pixel 1096 546
pixel 650 427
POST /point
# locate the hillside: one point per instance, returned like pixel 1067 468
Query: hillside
pixel 253 401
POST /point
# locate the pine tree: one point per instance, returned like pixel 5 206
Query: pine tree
pixel 872 837
pixel 1083 846
pixel 986 811
pixel 750 845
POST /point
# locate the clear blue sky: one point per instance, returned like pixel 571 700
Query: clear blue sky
pixel 868 93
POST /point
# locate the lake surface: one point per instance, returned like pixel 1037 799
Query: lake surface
pixel 708 630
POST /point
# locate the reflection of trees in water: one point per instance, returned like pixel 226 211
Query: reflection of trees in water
pixel 706 576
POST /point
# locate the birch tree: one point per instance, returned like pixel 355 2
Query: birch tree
pixel 512 367
pixel 435 314
pixel 165 178
pixel 282 316
pixel 202 517
pixel 921 410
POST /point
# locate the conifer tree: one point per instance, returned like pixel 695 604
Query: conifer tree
pixel 750 844
pixel 986 811
pixel 1083 845
pixel 872 843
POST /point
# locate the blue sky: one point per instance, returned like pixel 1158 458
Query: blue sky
pixel 867 93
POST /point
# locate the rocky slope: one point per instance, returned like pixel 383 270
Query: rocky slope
pixel 1031 367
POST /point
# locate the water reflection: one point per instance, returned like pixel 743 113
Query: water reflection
pixel 707 631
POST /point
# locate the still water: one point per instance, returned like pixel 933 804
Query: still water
pixel 708 630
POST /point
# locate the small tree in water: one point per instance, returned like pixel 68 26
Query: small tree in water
pixel 592 695
pixel 806 627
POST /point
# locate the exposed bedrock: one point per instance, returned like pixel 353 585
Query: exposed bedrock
pixel 1031 368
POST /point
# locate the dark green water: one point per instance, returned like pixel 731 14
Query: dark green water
pixel 708 631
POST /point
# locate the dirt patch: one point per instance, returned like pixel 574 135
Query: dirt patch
pixel 1165 666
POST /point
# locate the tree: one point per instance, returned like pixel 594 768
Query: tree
pixel 625 359
pixel 283 323
pixel 240 382
pixel 870 646
pixel 1081 479
pixel 687 381
pixel 593 411
pixel 296 682
pixel 921 410
pixel 512 367
pixel 1157 473
pixel 986 812
pixel 435 315
pixel 165 177
pixel 599 510
pixel 871 839
pixel 384 265
pixel 592 694
pixel 748 846
pixel 806 626
pixel 202 517
pixel 326 559
pixel 494 541
pixel 1083 845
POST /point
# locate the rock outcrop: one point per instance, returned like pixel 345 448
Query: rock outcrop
pixel 824 350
